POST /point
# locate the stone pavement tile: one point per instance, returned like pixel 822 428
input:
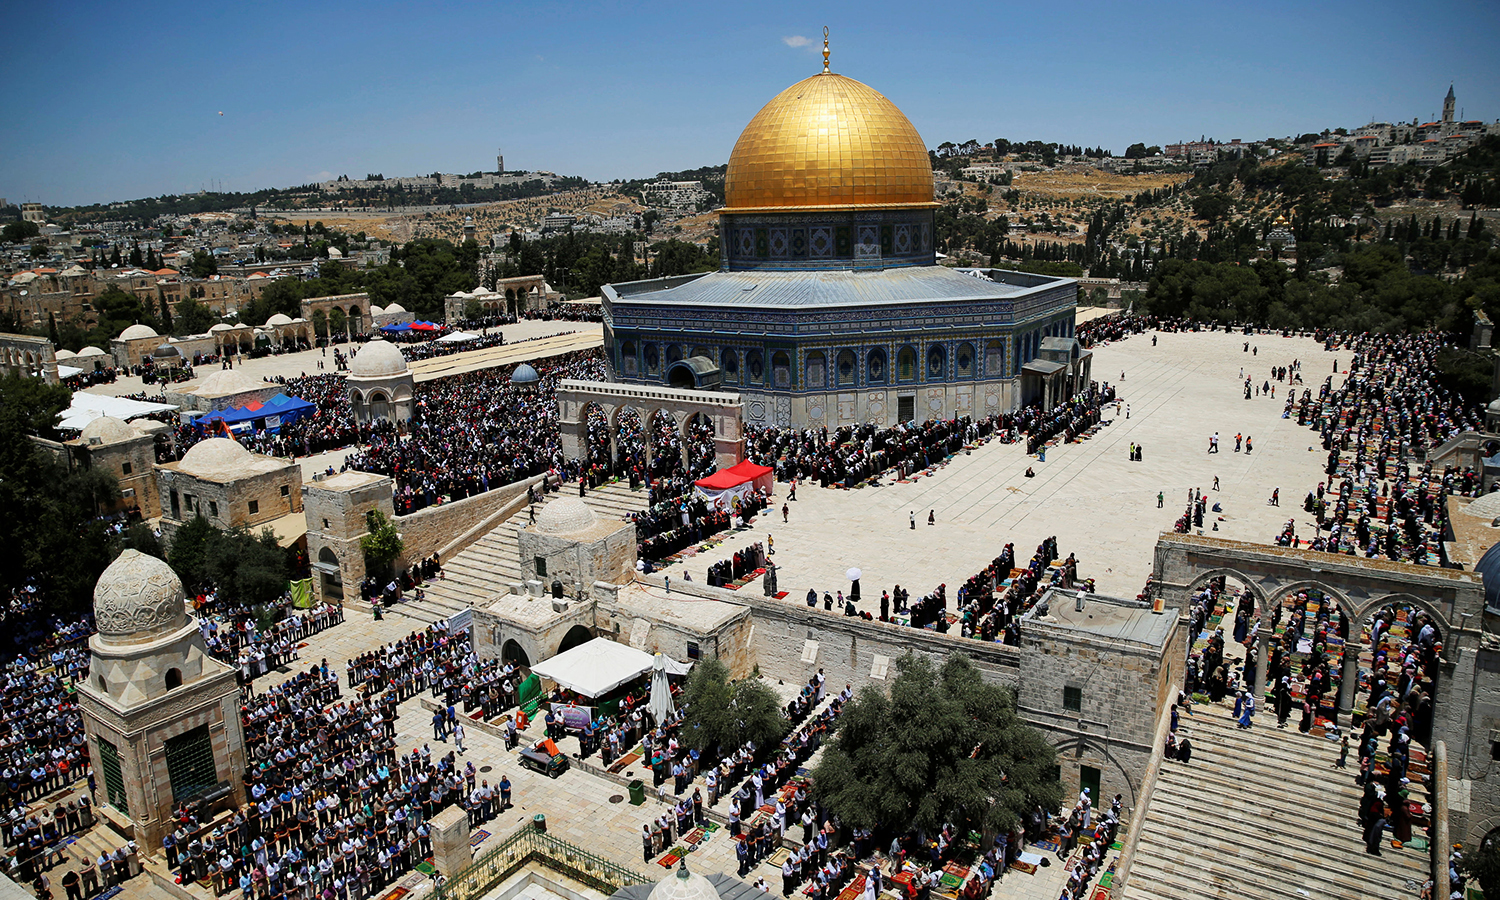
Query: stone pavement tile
pixel 1099 505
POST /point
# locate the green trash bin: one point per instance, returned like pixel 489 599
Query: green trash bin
pixel 637 792
pixel 539 821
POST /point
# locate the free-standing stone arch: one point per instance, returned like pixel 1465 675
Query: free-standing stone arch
pixel 724 410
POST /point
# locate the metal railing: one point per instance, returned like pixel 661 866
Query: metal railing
pixel 527 845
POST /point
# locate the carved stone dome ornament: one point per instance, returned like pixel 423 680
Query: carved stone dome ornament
pixel 138 598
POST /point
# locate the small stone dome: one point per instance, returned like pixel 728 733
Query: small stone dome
pixel 108 430
pixel 64 354
pixel 378 359
pixel 524 374
pixel 375 310
pixel 166 351
pixel 569 515
pixel 684 885
pixel 138 331
pixel 395 308
pixel 137 598
pixel 215 458
pixel 279 319
pixel 1486 507
pixel 94 351
pixel 220 328
pixel 228 381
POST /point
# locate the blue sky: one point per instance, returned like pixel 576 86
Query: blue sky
pixel 114 101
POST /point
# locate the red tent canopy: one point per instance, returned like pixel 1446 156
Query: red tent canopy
pixel 734 476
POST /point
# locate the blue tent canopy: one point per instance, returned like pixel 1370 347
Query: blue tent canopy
pixel 396 328
pixel 270 415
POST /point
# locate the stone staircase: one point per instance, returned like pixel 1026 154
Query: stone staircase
pixel 1262 814
pixel 488 567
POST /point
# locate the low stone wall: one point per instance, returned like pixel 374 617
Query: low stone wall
pixel 450 527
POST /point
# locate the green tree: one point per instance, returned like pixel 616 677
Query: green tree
pixel 382 544
pixel 19 232
pixel 203 264
pixel 473 309
pixel 320 323
pixel 721 716
pixel 190 552
pixel 973 762
pixel 194 317
pixel 1482 864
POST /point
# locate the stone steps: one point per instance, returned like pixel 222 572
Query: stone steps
pixel 485 570
pixel 1261 813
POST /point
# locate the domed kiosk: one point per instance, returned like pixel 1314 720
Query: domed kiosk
pixel 162 715
pixel 380 383
pixel 568 546
pixel 828 307
pixel 684 884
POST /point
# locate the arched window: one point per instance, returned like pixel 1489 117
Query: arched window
pixel 653 359
pixel 817 370
pixel 875 366
pixel 937 362
pixel 174 678
pixel 781 369
pixel 755 367
pixel 674 353
pixel 994 359
pixel 628 362
pixel 965 360
pixel 729 362
pixel 844 367
pixel 906 364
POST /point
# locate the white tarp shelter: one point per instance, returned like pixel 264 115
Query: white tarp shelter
pixel 457 337
pixel 87 407
pixel 595 668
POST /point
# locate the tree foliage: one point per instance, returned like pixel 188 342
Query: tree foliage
pixel 946 746
pixel 243 566
pixel 382 543
pixel 721 716
pixel 50 533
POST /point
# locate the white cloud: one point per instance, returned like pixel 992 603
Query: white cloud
pixel 797 40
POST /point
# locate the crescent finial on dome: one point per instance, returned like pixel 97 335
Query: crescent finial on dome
pixel 825 49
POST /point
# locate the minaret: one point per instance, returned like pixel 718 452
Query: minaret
pixel 1448 107
pixel 500 155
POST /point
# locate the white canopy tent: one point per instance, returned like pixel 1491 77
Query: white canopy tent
pixel 87 407
pixel 597 667
pixel 457 337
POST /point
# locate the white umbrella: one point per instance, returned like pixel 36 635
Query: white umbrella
pixel 661 694
pixel 853 574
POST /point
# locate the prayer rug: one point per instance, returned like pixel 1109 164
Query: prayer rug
pixel 624 761
pixel 694 837
pixel 848 893
pixel 782 595
pixel 712 827
pixel 1071 865
pixel 412 881
pixel 1100 893
pixel 956 870
pixel 1049 846
pixel 478 838
pixel 108 893
pixel 1117 846
pixel 397 894
pixel 668 861
pixel 779 856
pixel 950 882
pixel 426 868
pixel 1026 867
pixel 1107 879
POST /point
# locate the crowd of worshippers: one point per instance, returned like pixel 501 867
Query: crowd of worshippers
pixel 473 432
pixel 855 454
pixel 86 379
pixel 333 805
pixel 984 616
pixel 37 836
pixel 233 632
pixel 672 525
pixel 1388 412
pixel 427 659
pixel 744 562
pixel 1094 838
pixel 1071 420
pixel 1193 513
pixel 405 584
pixel 42 746
pixel 1397 713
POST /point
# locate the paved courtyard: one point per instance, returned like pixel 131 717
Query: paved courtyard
pixel 1099 505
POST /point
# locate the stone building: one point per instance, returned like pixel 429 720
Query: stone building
pixel 380 383
pixel 134 345
pixel 569 548
pixel 228 485
pixel 828 307
pixel 222 389
pixel 126 452
pixel 27 356
pixel 161 715
pixel 335 508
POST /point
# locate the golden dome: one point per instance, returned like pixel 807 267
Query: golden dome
pixel 828 142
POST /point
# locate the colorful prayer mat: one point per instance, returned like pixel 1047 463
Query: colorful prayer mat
pixel 958 871
pixel 779 856
pixel 694 836
pixel 1049 846
pixel 1100 893
pixel 478 837
pixel 1028 868
pixel 668 861
pixel 950 882
pixel 397 894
